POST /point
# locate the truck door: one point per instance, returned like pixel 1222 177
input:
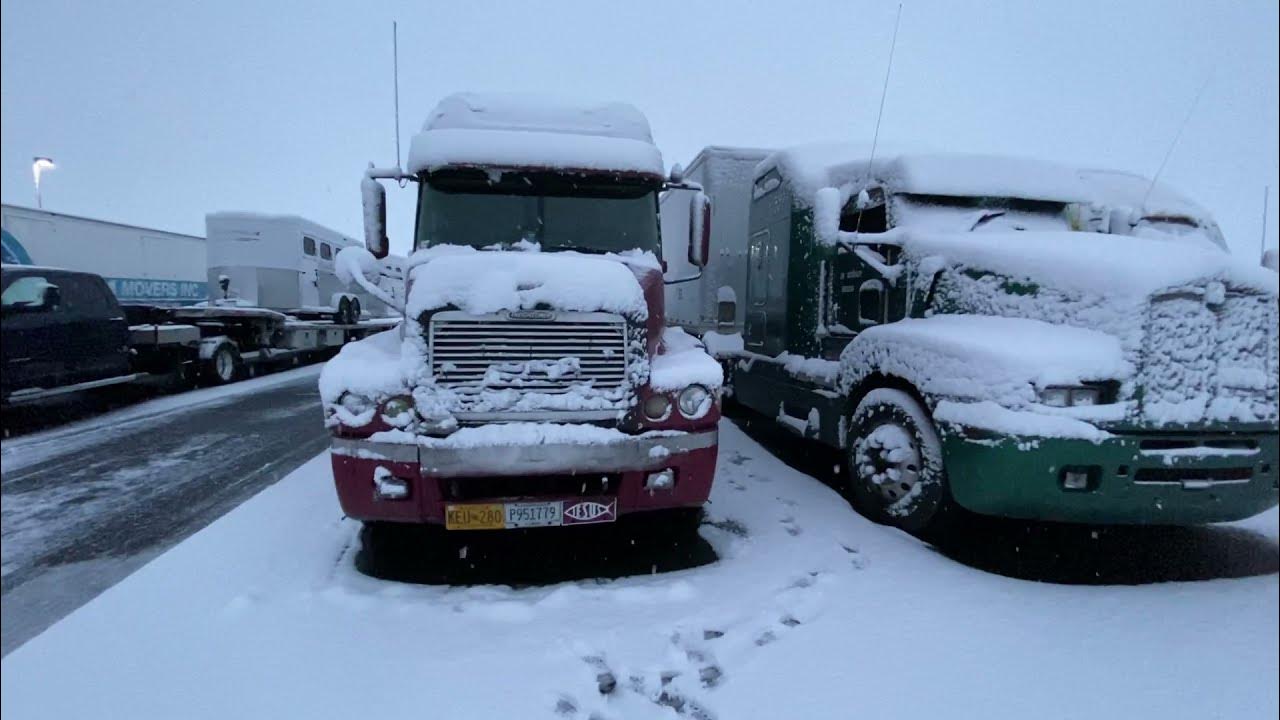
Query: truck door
pixel 34 332
pixel 309 275
pixel 98 333
pixel 757 315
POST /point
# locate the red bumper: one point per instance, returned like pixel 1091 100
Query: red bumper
pixel 436 477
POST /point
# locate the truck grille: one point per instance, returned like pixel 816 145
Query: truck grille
pixel 562 352
pixel 1210 361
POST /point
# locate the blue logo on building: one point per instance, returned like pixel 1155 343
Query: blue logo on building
pixel 11 251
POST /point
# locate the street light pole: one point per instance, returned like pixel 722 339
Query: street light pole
pixel 38 166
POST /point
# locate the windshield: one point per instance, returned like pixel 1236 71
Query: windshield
pixel 951 213
pixel 554 212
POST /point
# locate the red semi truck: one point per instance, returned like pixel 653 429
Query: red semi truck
pixel 533 381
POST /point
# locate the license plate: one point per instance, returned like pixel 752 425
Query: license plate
pixel 499 516
pixel 534 514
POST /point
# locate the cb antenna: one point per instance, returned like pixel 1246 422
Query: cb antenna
pixel 1168 153
pixel 884 91
pixel 395 74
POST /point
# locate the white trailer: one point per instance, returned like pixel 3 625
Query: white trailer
pixel 700 300
pixel 286 263
pixel 140 265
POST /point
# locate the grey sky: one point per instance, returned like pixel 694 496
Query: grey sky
pixel 159 112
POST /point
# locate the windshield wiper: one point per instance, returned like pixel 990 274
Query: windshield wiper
pixel 987 216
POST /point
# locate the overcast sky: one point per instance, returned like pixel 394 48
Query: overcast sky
pixel 157 113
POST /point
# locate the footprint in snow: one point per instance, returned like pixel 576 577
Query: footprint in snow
pixel 789 524
pixel 855 557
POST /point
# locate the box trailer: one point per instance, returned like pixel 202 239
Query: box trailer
pixel 695 296
pixel 286 263
pixel 139 264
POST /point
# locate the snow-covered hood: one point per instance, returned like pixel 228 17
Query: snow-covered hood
pixel 1198 326
pixel 480 282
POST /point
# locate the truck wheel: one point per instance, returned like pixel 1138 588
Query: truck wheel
pixel 223 366
pixel 343 316
pixel 895 465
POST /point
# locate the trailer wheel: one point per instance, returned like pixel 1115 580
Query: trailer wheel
pixel 355 310
pixel 895 465
pixel 223 366
pixel 343 315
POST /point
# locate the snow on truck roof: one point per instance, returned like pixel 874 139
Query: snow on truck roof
pixel 810 168
pixel 813 167
pixel 530 131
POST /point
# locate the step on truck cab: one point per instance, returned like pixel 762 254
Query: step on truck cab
pixel 533 381
pixel 1010 337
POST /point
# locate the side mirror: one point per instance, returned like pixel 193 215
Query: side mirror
pixel 699 229
pixel 51 297
pixel 677 174
pixel 375 216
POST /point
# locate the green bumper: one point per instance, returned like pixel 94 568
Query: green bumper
pixel 1133 478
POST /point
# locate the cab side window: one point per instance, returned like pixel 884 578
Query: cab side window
pixel 865 213
pixel 308 245
pixel 27 294
pixel 84 296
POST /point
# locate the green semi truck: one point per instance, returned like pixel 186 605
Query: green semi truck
pixel 1004 336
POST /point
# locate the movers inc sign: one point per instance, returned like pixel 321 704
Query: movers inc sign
pixel 165 291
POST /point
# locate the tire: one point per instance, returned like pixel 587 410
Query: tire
pixel 223 366
pixel 343 315
pixel 895 468
pixel 355 310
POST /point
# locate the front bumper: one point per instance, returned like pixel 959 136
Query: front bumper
pixel 1130 482
pixel 438 476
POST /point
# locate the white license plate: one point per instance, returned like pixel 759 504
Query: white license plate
pixel 534 514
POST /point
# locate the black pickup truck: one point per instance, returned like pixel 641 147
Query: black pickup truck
pixel 64 332
pixel 61 329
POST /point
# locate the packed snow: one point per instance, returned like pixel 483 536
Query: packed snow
pixel 530 131
pixel 483 281
pixel 683 361
pixel 808 606
pixel 847 168
pixel 974 357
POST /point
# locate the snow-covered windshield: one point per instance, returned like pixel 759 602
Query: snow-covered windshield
pixel 1178 228
pixel 950 213
pixel 557 212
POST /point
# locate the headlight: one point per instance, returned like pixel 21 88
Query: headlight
pixel 353 403
pixel 396 407
pixel 657 407
pixel 1061 396
pixel 693 401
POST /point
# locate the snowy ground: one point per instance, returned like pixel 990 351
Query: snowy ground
pixel 809 612
pixel 86 504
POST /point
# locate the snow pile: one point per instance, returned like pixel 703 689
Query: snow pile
pixel 848 168
pixel 817 370
pixel 979 358
pixel 529 131
pixel 683 361
pixel 1086 262
pixel 365 372
pixel 723 344
pixel 479 282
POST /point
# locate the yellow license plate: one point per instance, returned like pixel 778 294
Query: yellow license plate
pixel 479 516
